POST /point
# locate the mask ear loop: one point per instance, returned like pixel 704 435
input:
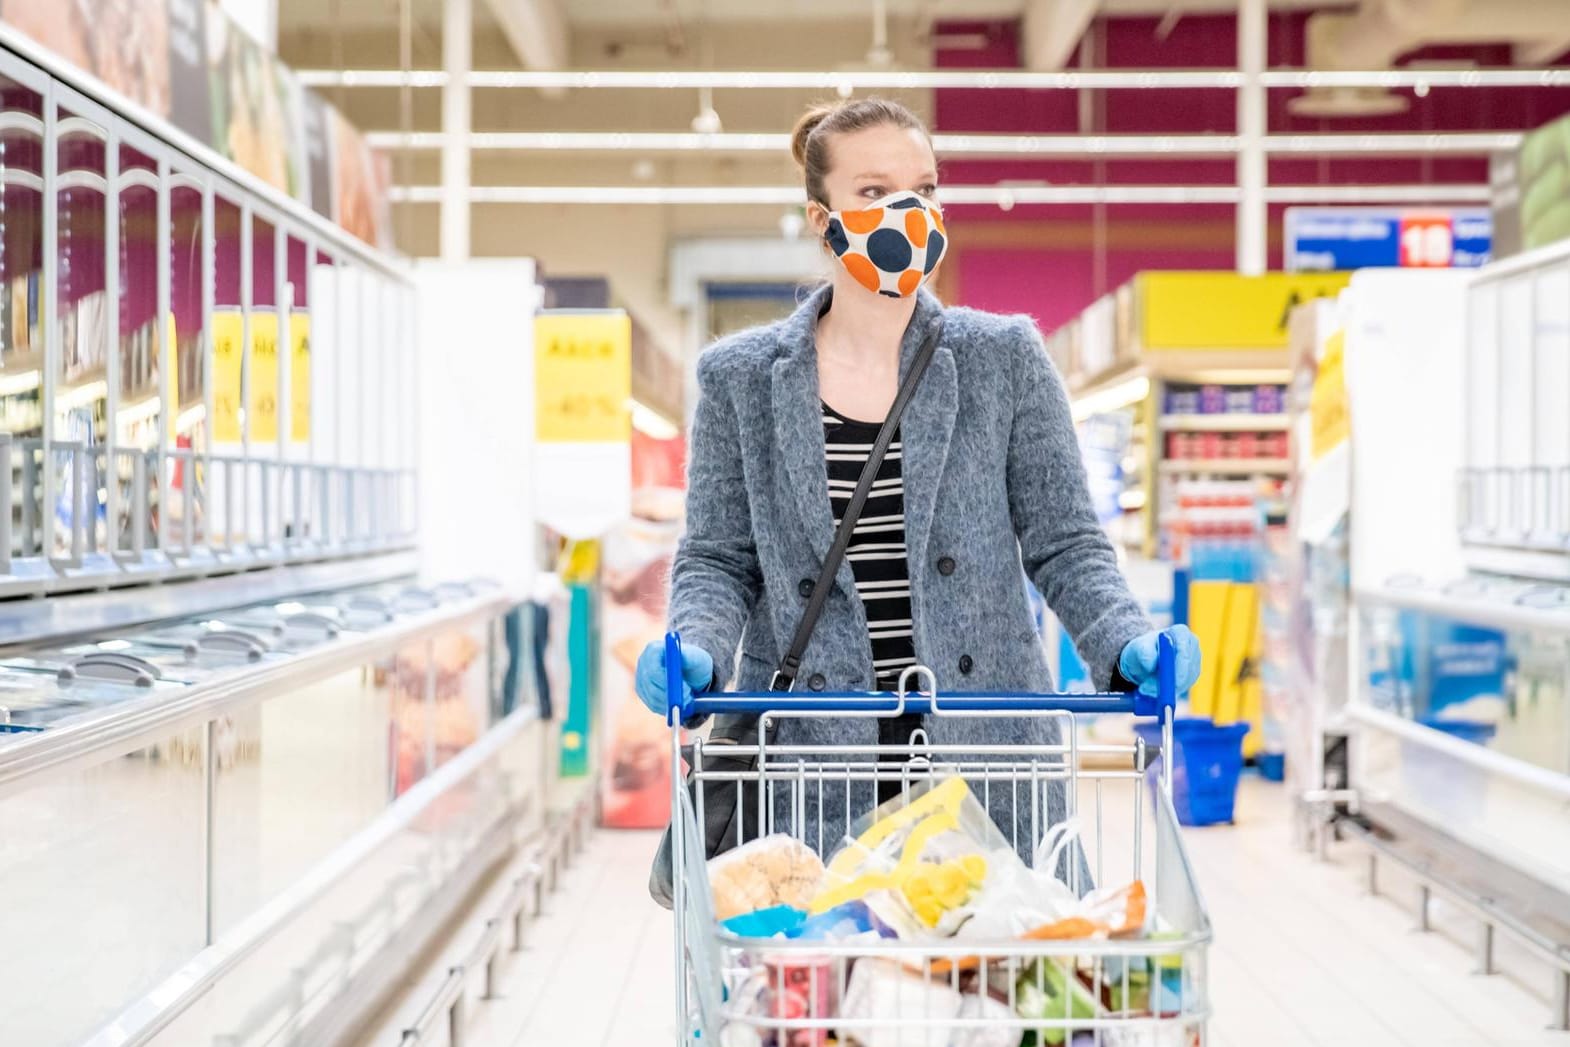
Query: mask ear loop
pixel 828 216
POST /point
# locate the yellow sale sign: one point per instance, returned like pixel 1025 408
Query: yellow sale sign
pixel 1328 410
pixel 582 377
pixel 299 377
pixel 1207 311
pixel 227 361
pixel 261 402
pixel 261 409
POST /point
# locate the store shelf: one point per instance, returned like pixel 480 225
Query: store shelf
pixel 1228 466
pixel 1224 423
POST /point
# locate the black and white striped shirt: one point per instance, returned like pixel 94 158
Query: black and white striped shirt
pixel 877 547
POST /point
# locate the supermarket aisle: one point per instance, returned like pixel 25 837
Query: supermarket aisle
pixel 1303 958
pixel 596 966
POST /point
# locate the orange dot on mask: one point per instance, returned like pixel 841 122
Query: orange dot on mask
pixel 937 222
pixel 861 267
pixel 916 228
pixel 909 280
pixel 862 221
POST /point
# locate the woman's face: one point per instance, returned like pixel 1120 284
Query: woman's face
pixel 871 163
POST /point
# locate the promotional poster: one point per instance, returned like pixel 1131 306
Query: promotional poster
pixel 635 790
pixel 187 62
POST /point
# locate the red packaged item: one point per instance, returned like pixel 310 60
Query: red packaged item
pixel 1247 445
pixel 801 988
pixel 1209 445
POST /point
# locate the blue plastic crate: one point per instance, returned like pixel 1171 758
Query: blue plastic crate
pixel 1206 763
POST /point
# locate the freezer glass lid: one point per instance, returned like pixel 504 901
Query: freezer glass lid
pixel 127 660
pixel 37 699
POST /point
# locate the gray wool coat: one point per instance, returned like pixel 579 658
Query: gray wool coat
pixel 993 480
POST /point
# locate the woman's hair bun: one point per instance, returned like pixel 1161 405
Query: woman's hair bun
pixel 807 123
pixel 809 142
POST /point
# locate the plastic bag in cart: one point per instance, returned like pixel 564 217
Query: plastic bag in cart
pixel 1021 902
pixel 929 851
pixel 769 871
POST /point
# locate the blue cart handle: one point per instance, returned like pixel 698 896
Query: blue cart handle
pixel 753 703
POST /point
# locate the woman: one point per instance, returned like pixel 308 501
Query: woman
pixel 985 472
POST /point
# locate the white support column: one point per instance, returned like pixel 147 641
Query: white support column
pixel 1251 170
pixel 457 61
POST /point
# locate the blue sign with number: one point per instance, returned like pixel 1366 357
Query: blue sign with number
pixel 1342 238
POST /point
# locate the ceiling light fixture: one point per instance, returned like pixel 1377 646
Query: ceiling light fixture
pixel 1078 80
pixel 791 196
pixel 999 145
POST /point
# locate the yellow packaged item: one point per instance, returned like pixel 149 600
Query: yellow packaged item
pixel 930 852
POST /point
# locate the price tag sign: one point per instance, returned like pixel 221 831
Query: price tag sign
pixel 262 405
pixel 1427 241
pixel 1345 238
pixel 299 377
pixel 227 358
pixel 582 378
pixel 1328 409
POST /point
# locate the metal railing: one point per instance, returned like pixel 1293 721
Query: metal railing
pixel 447 1009
pixel 1491 916
pixel 228 513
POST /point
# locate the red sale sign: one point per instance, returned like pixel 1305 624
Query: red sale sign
pixel 1427 241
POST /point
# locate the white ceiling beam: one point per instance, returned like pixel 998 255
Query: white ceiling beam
pixel 537 31
pixel 1475 143
pixel 1052 29
pixel 1005 196
pixel 982 79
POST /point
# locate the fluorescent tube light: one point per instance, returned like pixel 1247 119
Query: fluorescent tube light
pixel 972 79
pixel 1014 195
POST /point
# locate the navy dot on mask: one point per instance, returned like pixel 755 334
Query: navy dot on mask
pixel 835 237
pixel 889 250
pixel 904 202
pixel 934 250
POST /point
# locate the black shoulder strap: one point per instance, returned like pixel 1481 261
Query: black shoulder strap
pixel 790 665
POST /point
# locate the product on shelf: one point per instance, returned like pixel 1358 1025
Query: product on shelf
pixel 1239 399
pixel 1181 399
pixel 1269 399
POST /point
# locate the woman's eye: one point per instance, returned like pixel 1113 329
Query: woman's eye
pixel 872 192
pixel 928 190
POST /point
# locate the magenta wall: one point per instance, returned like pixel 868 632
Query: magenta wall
pixel 1055 286
pixel 1040 260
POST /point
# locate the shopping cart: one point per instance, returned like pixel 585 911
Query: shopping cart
pixel 777 992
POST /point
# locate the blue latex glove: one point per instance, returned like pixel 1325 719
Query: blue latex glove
pixel 1137 663
pixel 697 671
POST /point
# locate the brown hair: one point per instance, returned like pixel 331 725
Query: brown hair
pixel 809 142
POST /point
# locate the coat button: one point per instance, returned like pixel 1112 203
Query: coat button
pixel 946 566
pixel 816 681
pixel 966 664
pixel 805 587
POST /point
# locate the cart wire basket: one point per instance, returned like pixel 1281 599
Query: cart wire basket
pixel 1118 991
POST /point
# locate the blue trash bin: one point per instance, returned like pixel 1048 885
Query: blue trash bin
pixel 1205 766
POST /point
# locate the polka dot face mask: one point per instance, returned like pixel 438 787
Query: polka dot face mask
pixel 892 245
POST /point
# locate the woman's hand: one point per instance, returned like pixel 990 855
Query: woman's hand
pixel 1137 663
pixel 697 673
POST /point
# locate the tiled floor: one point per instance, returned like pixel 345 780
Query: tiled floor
pixel 1302 955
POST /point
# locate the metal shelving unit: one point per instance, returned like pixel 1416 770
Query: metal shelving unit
pixel 153 431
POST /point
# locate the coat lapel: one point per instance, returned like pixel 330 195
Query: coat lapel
pixel 926 429
pixel 798 425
